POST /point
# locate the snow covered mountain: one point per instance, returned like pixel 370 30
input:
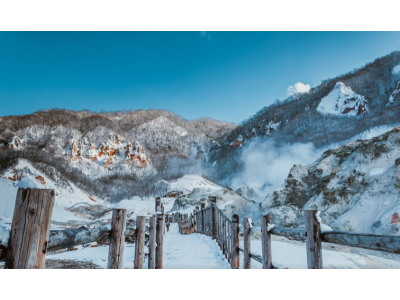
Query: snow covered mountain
pixel 343 101
pixel 126 151
pixel 333 111
pixel 356 188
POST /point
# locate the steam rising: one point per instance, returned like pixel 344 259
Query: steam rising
pixel 266 165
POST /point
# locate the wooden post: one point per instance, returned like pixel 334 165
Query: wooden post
pixel 203 205
pixel 30 229
pixel 158 205
pixel 186 223
pixel 152 244
pixel 235 262
pixel 139 244
pixel 313 241
pixel 246 243
pixel 159 241
pixel 117 239
pixel 213 201
pixel 266 243
pixel 224 237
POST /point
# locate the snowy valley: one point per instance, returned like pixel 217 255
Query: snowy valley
pixel 335 149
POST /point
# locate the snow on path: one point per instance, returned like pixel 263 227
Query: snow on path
pixel 191 251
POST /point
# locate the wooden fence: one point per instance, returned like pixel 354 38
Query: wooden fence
pixel 31 238
pixel 213 222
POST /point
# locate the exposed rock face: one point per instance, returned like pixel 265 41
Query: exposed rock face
pixel 15 143
pixel 395 96
pixel 238 142
pixel 271 126
pixel 248 193
pixel 356 187
pixel 113 152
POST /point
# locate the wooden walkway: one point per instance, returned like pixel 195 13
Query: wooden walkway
pixel 193 251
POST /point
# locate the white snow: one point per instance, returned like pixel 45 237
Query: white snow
pixel 396 69
pixel 188 182
pixel 143 207
pixel 325 228
pixel 318 216
pixel 250 222
pixel 377 171
pixel 194 251
pixel 26 183
pixel 97 255
pixel 293 255
pixel 365 135
pixel 340 98
pixel 270 227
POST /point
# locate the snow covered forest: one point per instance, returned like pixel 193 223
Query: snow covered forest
pixel 334 149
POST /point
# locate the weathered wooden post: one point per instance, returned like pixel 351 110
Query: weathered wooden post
pixel 158 205
pixel 246 243
pixel 139 244
pixel 196 220
pixel 235 262
pixel 186 223
pixel 159 241
pixel 152 244
pixel 213 201
pixel 30 229
pixel 202 230
pixel 266 243
pixel 117 239
pixel 313 240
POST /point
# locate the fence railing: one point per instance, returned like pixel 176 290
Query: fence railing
pixel 213 222
pixel 31 238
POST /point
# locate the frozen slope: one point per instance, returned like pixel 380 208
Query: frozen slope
pixel 67 194
pixel 187 183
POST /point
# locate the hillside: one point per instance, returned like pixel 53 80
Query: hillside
pixel 334 111
pixel 355 186
pixel 111 154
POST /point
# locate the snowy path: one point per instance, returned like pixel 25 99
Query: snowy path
pixel 192 251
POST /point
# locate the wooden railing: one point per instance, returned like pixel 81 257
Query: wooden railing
pixel 213 222
pixel 31 238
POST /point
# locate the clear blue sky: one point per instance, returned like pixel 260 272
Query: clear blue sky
pixel 223 75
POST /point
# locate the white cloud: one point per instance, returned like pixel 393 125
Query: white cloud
pixel 298 88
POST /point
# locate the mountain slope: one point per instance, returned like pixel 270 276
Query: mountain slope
pixel 356 187
pixel 335 110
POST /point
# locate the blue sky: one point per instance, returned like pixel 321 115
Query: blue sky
pixel 227 76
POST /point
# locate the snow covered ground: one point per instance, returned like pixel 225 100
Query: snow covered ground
pixel 194 251
pixel 97 255
pixel 292 255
